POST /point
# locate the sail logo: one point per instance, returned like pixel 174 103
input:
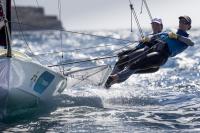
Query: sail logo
pixel 43 82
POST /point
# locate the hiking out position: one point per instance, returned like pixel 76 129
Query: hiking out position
pixel 152 53
pixel 145 43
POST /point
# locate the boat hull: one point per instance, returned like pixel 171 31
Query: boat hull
pixel 24 83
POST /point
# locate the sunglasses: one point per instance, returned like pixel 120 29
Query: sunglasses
pixel 183 21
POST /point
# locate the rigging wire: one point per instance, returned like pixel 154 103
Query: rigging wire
pixel 88 60
pixel 102 58
pixel 73 50
pixel 76 32
pixel 125 41
pixel 132 13
pixel 126 46
pixel 75 62
pixel 141 10
pixel 99 58
pixel 107 57
pixel 78 49
pixel 37 3
pixel 122 41
pixel 86 77
pixel 131 21
pixel 22 34
pixel 61 39
pixel 148 10
pixel 128 43
pixel 20 27
pixel 21 31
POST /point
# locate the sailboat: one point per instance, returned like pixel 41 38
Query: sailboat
pixel 24 82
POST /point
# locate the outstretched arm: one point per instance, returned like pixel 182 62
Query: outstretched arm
pixel 185 40
pixel 181 38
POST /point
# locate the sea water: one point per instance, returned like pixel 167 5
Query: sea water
pixel 166 101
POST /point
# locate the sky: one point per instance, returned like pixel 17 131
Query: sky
pixel 115 14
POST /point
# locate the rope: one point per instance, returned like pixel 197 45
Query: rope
pixel 133 12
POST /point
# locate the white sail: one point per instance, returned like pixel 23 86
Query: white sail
pixel 95 76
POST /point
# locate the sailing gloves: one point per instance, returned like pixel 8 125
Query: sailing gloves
pixel 145 39
pixel 172 35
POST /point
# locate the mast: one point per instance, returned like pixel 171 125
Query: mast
pixel 8 27
pixel 5 29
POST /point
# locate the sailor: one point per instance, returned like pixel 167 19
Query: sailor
pixel 166 45
pixel 144 44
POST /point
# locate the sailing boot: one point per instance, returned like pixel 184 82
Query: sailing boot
pixel 108 82
pixel 111 80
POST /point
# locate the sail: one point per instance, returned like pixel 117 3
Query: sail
pixel 95 76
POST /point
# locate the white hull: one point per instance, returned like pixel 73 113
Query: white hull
pixel 23 82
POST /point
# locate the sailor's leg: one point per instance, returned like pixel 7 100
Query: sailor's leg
pixel 151 60
pixel 138 54
pixel 119 77
pixel 121 70
pixel 124 75
pixel 149 70
pixel 121 64
pixel 126 59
